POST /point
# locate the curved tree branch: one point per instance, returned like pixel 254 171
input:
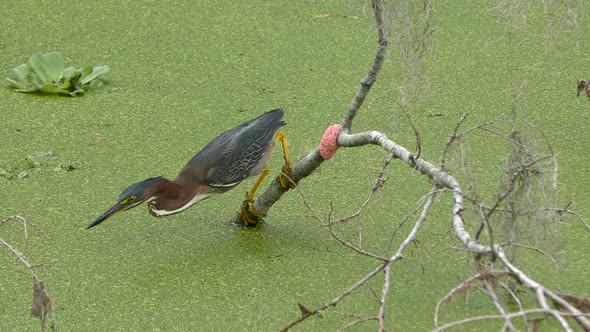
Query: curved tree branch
pixel 368 81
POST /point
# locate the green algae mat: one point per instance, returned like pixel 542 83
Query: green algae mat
pixel 183 72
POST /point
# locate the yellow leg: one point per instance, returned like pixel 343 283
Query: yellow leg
pixel 248 214
pixel 250 195
pixel 287 170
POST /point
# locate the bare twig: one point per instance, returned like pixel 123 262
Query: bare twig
pixel 496 317
pixel 464 287
pixel 452 139
pixel 534 249
pixel 17 218
pixel 565 210
pixel 20 257
pixel 411 238
pixel 456 136
pixel 356 322
pixel 379 182
pixel 336 300
pixel 511 186
pixel 489 290
pixel 515 298
pixel 407 115
pixel 541 292
pixel 42 304
pixel 328 226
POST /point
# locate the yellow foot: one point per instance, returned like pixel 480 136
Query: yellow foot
pixel 249 215
pixel 286 178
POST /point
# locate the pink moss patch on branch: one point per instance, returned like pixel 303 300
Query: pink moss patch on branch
pixel 329 144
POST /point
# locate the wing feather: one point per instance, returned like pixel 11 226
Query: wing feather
pixel 230 158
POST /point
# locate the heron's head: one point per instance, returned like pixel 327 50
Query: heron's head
pixel 132 196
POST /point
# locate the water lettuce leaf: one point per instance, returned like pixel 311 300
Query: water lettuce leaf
pixel 46 73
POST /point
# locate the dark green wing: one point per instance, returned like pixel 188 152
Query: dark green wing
pixel 230 158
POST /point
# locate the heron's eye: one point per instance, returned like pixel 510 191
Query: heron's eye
pixel 129 200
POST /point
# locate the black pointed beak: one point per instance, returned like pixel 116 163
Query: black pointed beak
pixel 114 209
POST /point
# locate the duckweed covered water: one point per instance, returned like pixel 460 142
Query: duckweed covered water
pixel 182 73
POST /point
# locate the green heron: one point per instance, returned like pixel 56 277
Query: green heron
pixel 226 161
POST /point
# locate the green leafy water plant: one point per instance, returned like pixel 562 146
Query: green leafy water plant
pixel 46 73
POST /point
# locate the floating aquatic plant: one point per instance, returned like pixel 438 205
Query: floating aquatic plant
pixel 46 73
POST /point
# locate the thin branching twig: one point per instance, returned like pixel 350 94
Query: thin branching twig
pixel 42 304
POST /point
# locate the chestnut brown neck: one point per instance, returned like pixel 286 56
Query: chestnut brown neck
pixel 170 197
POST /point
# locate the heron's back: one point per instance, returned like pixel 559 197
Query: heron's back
pixel 233 155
